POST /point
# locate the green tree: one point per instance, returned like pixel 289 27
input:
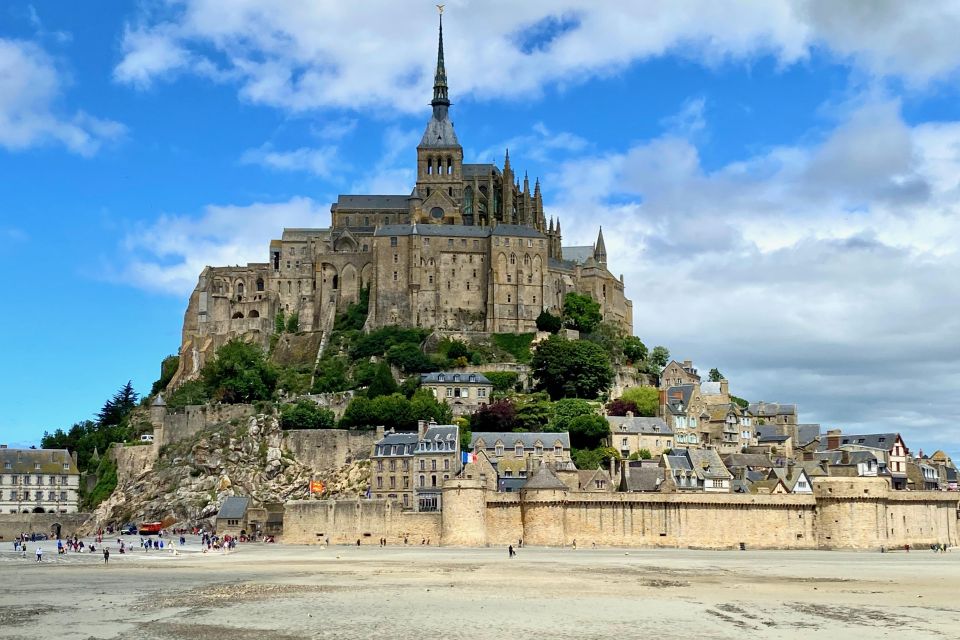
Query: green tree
pixel 408 358
pixel 593 458
pixel 330 376
pixel 715 375
pixel 548 322
pixel 383 383
pixel 646 400
pixel 659 357
pixel 293 322
pixel 191 392
pixel 502 381
pixel 423 406
pixel 581 312
pixel 609 337
pixel 116 409
pixel 642 454
pixel 358 414
pixel 743 404
pixel 571 369
pixel 566 410
pixel 239 373
pixel 457 349
pixel 533 412
pixel 306 414
pixel 587 431
pixel 355 316
pixel 167 368
pixel 496 416
pixel 279 322
pixel 634 349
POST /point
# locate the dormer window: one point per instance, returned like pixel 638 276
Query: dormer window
pixel 441 377
pixel 473 378
pixel 518 450
pixel 498 450
pixel 456 378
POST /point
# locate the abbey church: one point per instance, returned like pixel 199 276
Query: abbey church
pixel 470 249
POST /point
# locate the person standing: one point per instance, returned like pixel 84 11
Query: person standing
pixel 39 554
pixel 106 555
pixel 510 551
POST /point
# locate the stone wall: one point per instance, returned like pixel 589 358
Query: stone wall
pixel 325 449
pixel 12 524
pixel 133 461
pixel 184 423
pixel 346 521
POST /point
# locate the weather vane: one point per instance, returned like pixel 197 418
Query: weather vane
pixel 440 8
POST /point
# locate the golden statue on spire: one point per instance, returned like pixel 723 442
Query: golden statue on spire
pixel 440 8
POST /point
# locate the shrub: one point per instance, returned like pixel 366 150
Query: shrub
pixel 496 416
pixel 305 414
pixel 546 321
pixel 376 343
pixel 188 393
pixel 167 368
pixel 409 359
pixel 239 373
pixel 645 399
pixel 356 314
pixel 516 344
pixel 293 322
pixel 383 383
pixel 620 407
pixel 330 376
pixel 503 381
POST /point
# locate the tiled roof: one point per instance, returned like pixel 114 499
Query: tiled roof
pixel 454 376
pixel 544 478
pixel 233 508
pixel 51 461
pixel 445 230
pixel 528 438
pixel 638 424
pixel 516 230
pixel 373 202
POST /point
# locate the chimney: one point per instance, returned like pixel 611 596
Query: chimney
pixel 833 438
pixel 421 428
pixel 74 457
pixel 724 387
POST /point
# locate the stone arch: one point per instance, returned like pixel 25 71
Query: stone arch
pixel 253 314
pixel 349 285
pixel 239 287
pixel 346 244
pixel 537 266
pixel 366 275
pixel 39 510
pixel 259 284
pixel 330 277
pixel 502 265
pixel 237 316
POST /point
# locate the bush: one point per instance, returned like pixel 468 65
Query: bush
pixel 279 322
pixel 293 322
pixel 571 369
pixel 496 416
pixel 305 414
pixel 593 458
pixel 642 454
pixel 188 393
pixel 516 344
pixel 646 400
pixel 634 349
pixel 548 322
pixel 330 376
pixel 376 343
pixel 106 483
pixel 239 373
pixel 383 383
pixel 293 380
pixel 502 381
pixel 620 407
pixel 587 431
pixel 356 314
pixel 395 411
pixel 409 359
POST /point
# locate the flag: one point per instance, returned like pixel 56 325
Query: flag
pixel 316 486
pixel 467 458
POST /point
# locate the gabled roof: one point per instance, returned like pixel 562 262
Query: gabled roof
pixel 516 230
pixel 51 461
pixel 406 443
pixel 680 393
pixel 442 432
pixel 638 424
pixel 807 433
pixel 544 478
pixel 234 508
pixel 643 478
pixel 454 376
pixel 528 438
pixel 578 254
pixel 771 409
pixel 373 202
pixel 883 441
pixel 753 460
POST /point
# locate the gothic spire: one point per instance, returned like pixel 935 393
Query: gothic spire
pixel 600 249
pixel 440 77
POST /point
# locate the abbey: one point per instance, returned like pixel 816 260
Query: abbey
pixel 468 250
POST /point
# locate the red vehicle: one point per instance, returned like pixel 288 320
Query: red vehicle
pixel 150 528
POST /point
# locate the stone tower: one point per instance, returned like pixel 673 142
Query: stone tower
pixel 440 156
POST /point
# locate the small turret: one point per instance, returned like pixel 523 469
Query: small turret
pixel 600 250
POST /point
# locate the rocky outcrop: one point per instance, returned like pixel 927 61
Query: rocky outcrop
pixel 191 478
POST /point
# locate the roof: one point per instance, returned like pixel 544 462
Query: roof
pixel 771 409
pixel 454 376
pixel 373 202
pixel 710 388
pixel 586 480
pixel 578 254
pixel 517 230
pixel 439 134
pixel 544 478
pixel 471 170
pixel 883 441
pixel 679 393
pixel 768 430
pixel 442 432
pixel 772 437
pixel 807 433
pixel 405 443
pixel 233 508
pixel 707 463
pixel 643 478
pixel 737 460
pixel 528 438
pixel 456 230
pixel 638 424
pixel 51 461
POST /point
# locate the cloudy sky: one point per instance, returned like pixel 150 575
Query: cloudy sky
pixel 777 181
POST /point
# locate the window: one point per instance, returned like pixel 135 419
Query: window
pixel 623 442
pixel 450 243
pixel 518 450
pixel 433 465
pixel 393 241
pixel 476 245
pixel 36 466
pixel 379 482
pixel 393 482
pixel 396 276
pixel 433 481
pixel 449 392
pixel 538 449
pixel 498 450
pixel 558 450
pixel 446 464
pixel 393 465
pixel 396 258
pixel 423 466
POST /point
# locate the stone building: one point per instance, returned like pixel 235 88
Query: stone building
pixel 678 373
pixel 686 414
pixel 412 467
pixel 504 447
pixel 891 451
pixel 470 248
pixel 464 392
pixel 629 434
pixel 38 481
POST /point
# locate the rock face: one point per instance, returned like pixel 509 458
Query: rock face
pixel 191 478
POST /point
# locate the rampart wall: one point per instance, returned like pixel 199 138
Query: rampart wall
pixel 323 449
pixel 13 524
pixel 187 422
pixel 843 513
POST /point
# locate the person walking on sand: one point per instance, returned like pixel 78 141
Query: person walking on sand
pixel 510 552
pixel 106 555
pixel 39 554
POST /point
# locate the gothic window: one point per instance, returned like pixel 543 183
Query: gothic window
pixel 513 258
pixel 254 314
pixel 526 259
pixel 468 201
pixel 259 284
pixel 429 166
pixel 240 288
pixel 336 282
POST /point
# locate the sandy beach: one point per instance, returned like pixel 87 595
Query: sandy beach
pixel 281 591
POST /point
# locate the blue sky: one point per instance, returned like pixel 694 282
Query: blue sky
pixel 777 181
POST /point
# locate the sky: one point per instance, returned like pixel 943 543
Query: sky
pixel 778 182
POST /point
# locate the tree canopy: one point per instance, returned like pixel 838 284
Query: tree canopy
pixel 715 375
pixel 548 322
pixel 581 312
pixel 239 373
pixel 383 383
pixel 646 400
pixel 306 414
pixel 571 368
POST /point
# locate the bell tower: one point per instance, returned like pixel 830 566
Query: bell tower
pixel 439 155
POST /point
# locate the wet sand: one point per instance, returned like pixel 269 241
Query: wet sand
pixel 279 591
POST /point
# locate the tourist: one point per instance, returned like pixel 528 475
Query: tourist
pixel 39 554
pixel 510 551
pixel 106 555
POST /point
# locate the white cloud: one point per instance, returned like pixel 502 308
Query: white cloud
pixel 823 274
pixel 168 254
pixel 295 55
pixel 30 86
pixel 320 161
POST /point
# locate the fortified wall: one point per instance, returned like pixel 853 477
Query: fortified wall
pixel 843 513
pixel 12 524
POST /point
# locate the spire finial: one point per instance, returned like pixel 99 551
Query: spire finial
pixel 600 249
pixel 440 98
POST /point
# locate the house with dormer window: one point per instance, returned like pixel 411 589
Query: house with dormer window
pixel 412 467
pixel 629 434
pixel 464 392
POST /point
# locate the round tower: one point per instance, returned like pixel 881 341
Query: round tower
pixel 850 512
pixel 463 518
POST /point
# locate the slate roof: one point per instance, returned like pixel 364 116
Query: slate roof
pixel 638 424
pixel 517 230
pixel 510 438
pixel 578 254
pixel 544 478
pixel 807 433
pixel 643 478
pixel 406 442
pixel 51 461
pixel 772 438
pixel 373 202
pixel 883 441
pixel 707 463
pixel 771 409
pixel 768 430
pixel 471 170
pixel 738 460
pixel 233 508
pixel 677 394
pixel 439 134
pixel 451 230
pixel 454 376
pixel 710 388
pixel 445 432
